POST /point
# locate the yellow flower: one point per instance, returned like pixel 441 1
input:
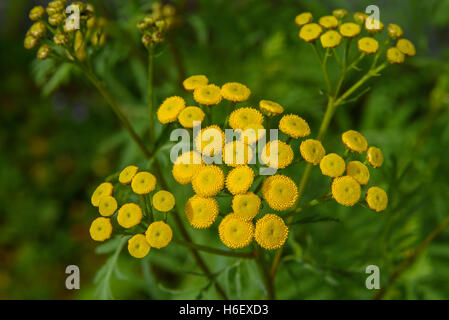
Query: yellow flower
pixel 310 32
pixel 332 165
pixel 104 189
pixel 138 246
pixel 395 31
pixel 373 26
pixel 185 166
pixel 169 109
pixel 127 174
pixel 330 39
pixel 406 47
pixel 36 13
pixel 193 82
pixel 280 192
pixel 246 206
pixel 375 157
pixel 208 181
pixel 163 201
pixel 394 55
pixel 239 179
pixel 358 171
pixel 294 126
pixel 107 206
pixel 340 13
pixel 236 153
pixel 100 229
pixel 303 18
pixel 129 215
pixel 328 22
pixel 208 95
pixel 235 233
pixel 377 199
pixel 143 183
pixel 360 17
pixel 271 232
pixel 312 151
pixel 350 30
pixel 189 115
pixel 159 234
pixel 243 117
pixel 201 212
pixel 234 91
pixel 346 190
pixel 252 133
pixel 210 140
pixel 354 141
pixel 270 108
pixel 368 45
pixel 280 159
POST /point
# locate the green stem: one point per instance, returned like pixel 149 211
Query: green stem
pixel 264 270
pixel 150 97
pixel 226 253
pixel 323 63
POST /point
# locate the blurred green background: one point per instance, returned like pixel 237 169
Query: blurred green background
pixel 59 141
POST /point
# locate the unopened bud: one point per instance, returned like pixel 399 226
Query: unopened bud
pixel 168 10
pixel 340 13
pixel 395 31
pixel 30 42
pixel 141 25
pixel 60 39
pixel 56 19
pixel 43 52
pixel 158 37
pixel 37 30
pixel 147 39
pixel 37 13
pixel 360 17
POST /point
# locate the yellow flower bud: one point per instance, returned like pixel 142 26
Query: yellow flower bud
pixel 30 42
pixel 43 52
pixel 56 19
pixel 60 39
pixel 340 13
pixel 360 17
pixel 395 31
pixel 37 30
pixel 37 13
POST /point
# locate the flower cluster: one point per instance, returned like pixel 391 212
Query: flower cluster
pixel 73 27
pixel 134 214
pixel 332 29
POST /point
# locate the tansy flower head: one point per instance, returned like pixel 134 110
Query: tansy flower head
pixel 127 174
pixel 354 141
pixel 239 179
pixel 252 133
pixel 107 206
pixel 37 30
pixel 196 81
pixel 36 13
pixel 328 22
pixel 185 166
pixel 368 45
pixel 375 157
pixel 394 55
pixel 208 95
pixel 169 109
pixel 271 232
pixel 236 153
pixel 350 30
pixel 310 32
pixel 358 171
pixel 395 31
pixel 143 183
pixel 163 201
pixel 360 17
pixel 330 39
pixel 280 192
pixel 312 151
pixel 138 246
pixel 346 190
pixel 201 212
pixel 189 115
pixel 377 199
pixel 340 13
pixel 208 181
pixel 234 91
pixel 332 165
pixel 210 140
pixel 129 215
pixel 277 154
pixel 270 108
pixel 246 206
pixel 30 42
pixel 242 117
pixel 406 47
pixel 303 18
pixel 373 26
pixel 159 234
pixel 294 126
pixel 235 233
pixel 104 189
pixel 100 229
